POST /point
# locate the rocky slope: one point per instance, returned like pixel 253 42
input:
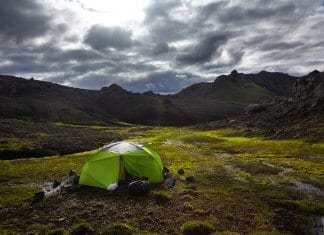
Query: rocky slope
pixel 299 116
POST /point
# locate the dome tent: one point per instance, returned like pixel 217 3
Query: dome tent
pixel 115 161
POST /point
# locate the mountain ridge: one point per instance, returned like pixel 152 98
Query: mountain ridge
pixel 227 96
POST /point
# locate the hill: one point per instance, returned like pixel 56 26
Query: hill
pixel 243 88
pixel 225 97
pixel 299 116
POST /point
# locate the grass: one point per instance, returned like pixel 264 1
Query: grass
pixel 240 182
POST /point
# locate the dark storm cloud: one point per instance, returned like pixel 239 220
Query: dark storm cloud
pixel 101 37
pixel 234 56
pixel 168 29
pixel 259 11
pixel 280 45
pixel 20 68
pixel 23 19
pixel 79 55
pixel 162 26
pixel 161 48
pixel 203 50
pixel 210 9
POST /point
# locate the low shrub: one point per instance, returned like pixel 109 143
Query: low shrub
pixel 82 228
pixel 119 229
pixel 197 227
pixel 36 229
pixel 58 231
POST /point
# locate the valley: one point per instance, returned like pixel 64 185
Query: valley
pixel 240 184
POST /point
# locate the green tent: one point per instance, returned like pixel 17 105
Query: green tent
pixel 117 160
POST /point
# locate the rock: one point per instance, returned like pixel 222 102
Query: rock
pixel 279 132
pixel 190 178
pixel 38 197
pixel 73 172
pixel 180 171
pixel 74 177
pixel 56 183
pixel 255 108
pixel 191 186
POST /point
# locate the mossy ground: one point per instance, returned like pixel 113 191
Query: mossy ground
pixel 242 184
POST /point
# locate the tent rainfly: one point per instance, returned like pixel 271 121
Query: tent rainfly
pixel 117 160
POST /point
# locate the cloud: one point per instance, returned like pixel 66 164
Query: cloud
pixel 101 37
pixel 174 44
pixel 161 48
pixel 256 12
pixel 20 20
pixel 160 9
pixel 203 50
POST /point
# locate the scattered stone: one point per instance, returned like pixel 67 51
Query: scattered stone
pixel 82 228
pixel 38 197
pixel 188 206
pixel 58 231
pixel 191 186
pixel 181 172
pixel 190 178
pixel 56 183
pixel 73 172
pixel 279 132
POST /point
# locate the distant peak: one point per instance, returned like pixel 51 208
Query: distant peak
pixel 314 72
pixel 113 87
pixel 234 72
pixel 148 93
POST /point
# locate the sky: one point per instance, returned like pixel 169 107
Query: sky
pixel 158 45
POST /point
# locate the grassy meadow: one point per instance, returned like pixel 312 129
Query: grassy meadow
pixel 231 185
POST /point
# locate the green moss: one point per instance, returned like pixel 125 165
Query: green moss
pixel 11 195
pixel 36 229
pixel 119 229
pixel 34 170
pixel 239 181
pixel 197 227
pixel 82 228
pixel 161 197
pixel 12 143
pixel 301 205
pixel 226 233
pixel 202 140
pixel 58 231
pixel 267 233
